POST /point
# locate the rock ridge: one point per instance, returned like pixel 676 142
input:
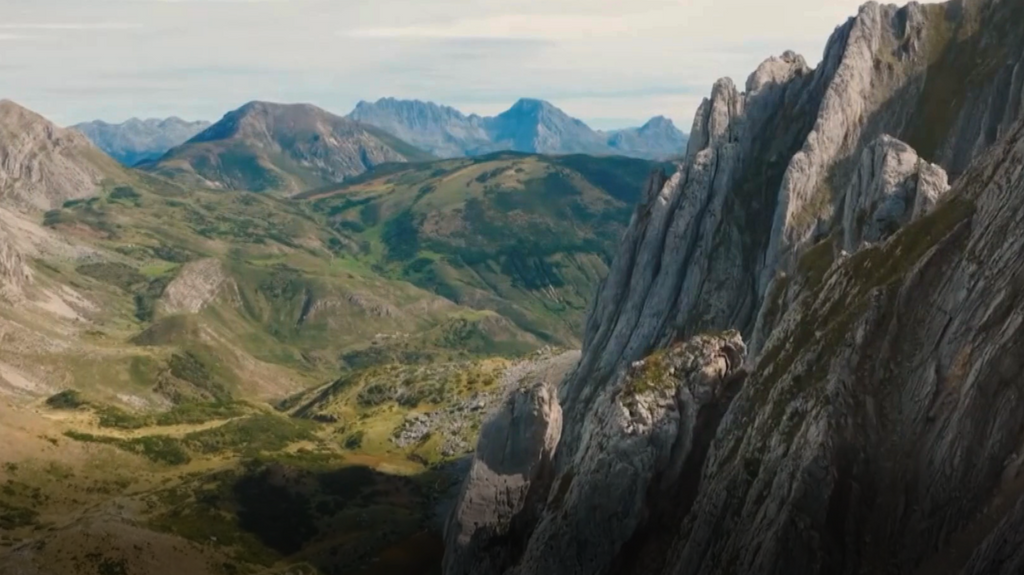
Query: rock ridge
pixel 813 214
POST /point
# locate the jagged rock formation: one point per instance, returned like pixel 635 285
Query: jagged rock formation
pixel 892 186
pixel 875 431
pixel 530 125
pixel 196 286
pixel 513 460
pixel 138 140
pixel 42 165
pixel 290 148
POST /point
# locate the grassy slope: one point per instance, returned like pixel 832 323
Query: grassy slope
pixel 526 236
pixel 298 298
pixel 168 438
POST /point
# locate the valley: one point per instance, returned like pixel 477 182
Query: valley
pixel 412 341
pixel 238 381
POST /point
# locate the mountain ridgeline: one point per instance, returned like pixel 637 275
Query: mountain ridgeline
pixel 806 355
pixel 287 148
pixel 531 126
pixel 136 141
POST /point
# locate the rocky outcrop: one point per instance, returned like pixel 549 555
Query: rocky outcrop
pixel 891 187
pixel 686 263
pixel 507 483
pixel 14 273
pixel 42 165
pixel 880 419
pixel 874 430
pixel 644 443
pixel 197 285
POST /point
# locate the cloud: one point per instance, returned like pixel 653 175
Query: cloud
pixel 71 26
pixel 605 61
pixel 508 27
pixel 216 1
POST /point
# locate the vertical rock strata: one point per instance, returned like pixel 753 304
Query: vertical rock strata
pixel 871 424
pixel 14 272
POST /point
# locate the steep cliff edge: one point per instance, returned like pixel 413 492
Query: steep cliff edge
pixel 875 430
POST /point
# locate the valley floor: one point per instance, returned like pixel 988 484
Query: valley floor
pixel 85 489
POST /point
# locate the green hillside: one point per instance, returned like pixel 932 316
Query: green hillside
pixel 528 237
pixel 234 382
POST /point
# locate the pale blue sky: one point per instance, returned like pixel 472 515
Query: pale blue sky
pixel 611 63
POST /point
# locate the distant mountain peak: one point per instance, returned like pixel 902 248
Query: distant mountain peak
pixel 534 106
pixel 530 125
pixel 660 122
pixel 139 140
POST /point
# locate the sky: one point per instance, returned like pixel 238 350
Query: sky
pixel 612 63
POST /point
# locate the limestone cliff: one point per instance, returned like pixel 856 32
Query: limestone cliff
pixel 892 185
pixel 875 431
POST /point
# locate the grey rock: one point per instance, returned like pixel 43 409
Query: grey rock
pixel 196 286
pixel 14 272
pixel 511 469
pixel 876 426
pixel 1002 553
pixel 643 436
pixel 879 410
pixel 891 187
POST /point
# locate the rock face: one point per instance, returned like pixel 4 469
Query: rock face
pixel 876 429
pixel 511 470
pixel 531 126
pixel 14 273
pixel 138 140
pixel 42 165
pixel 892 186
pixel 196 286
pixel 281 147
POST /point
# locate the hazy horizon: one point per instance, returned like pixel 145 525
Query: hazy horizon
pixel 602 62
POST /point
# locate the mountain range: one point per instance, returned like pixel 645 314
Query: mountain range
pixel 136 141
pixel 532 126
pixel 800 347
